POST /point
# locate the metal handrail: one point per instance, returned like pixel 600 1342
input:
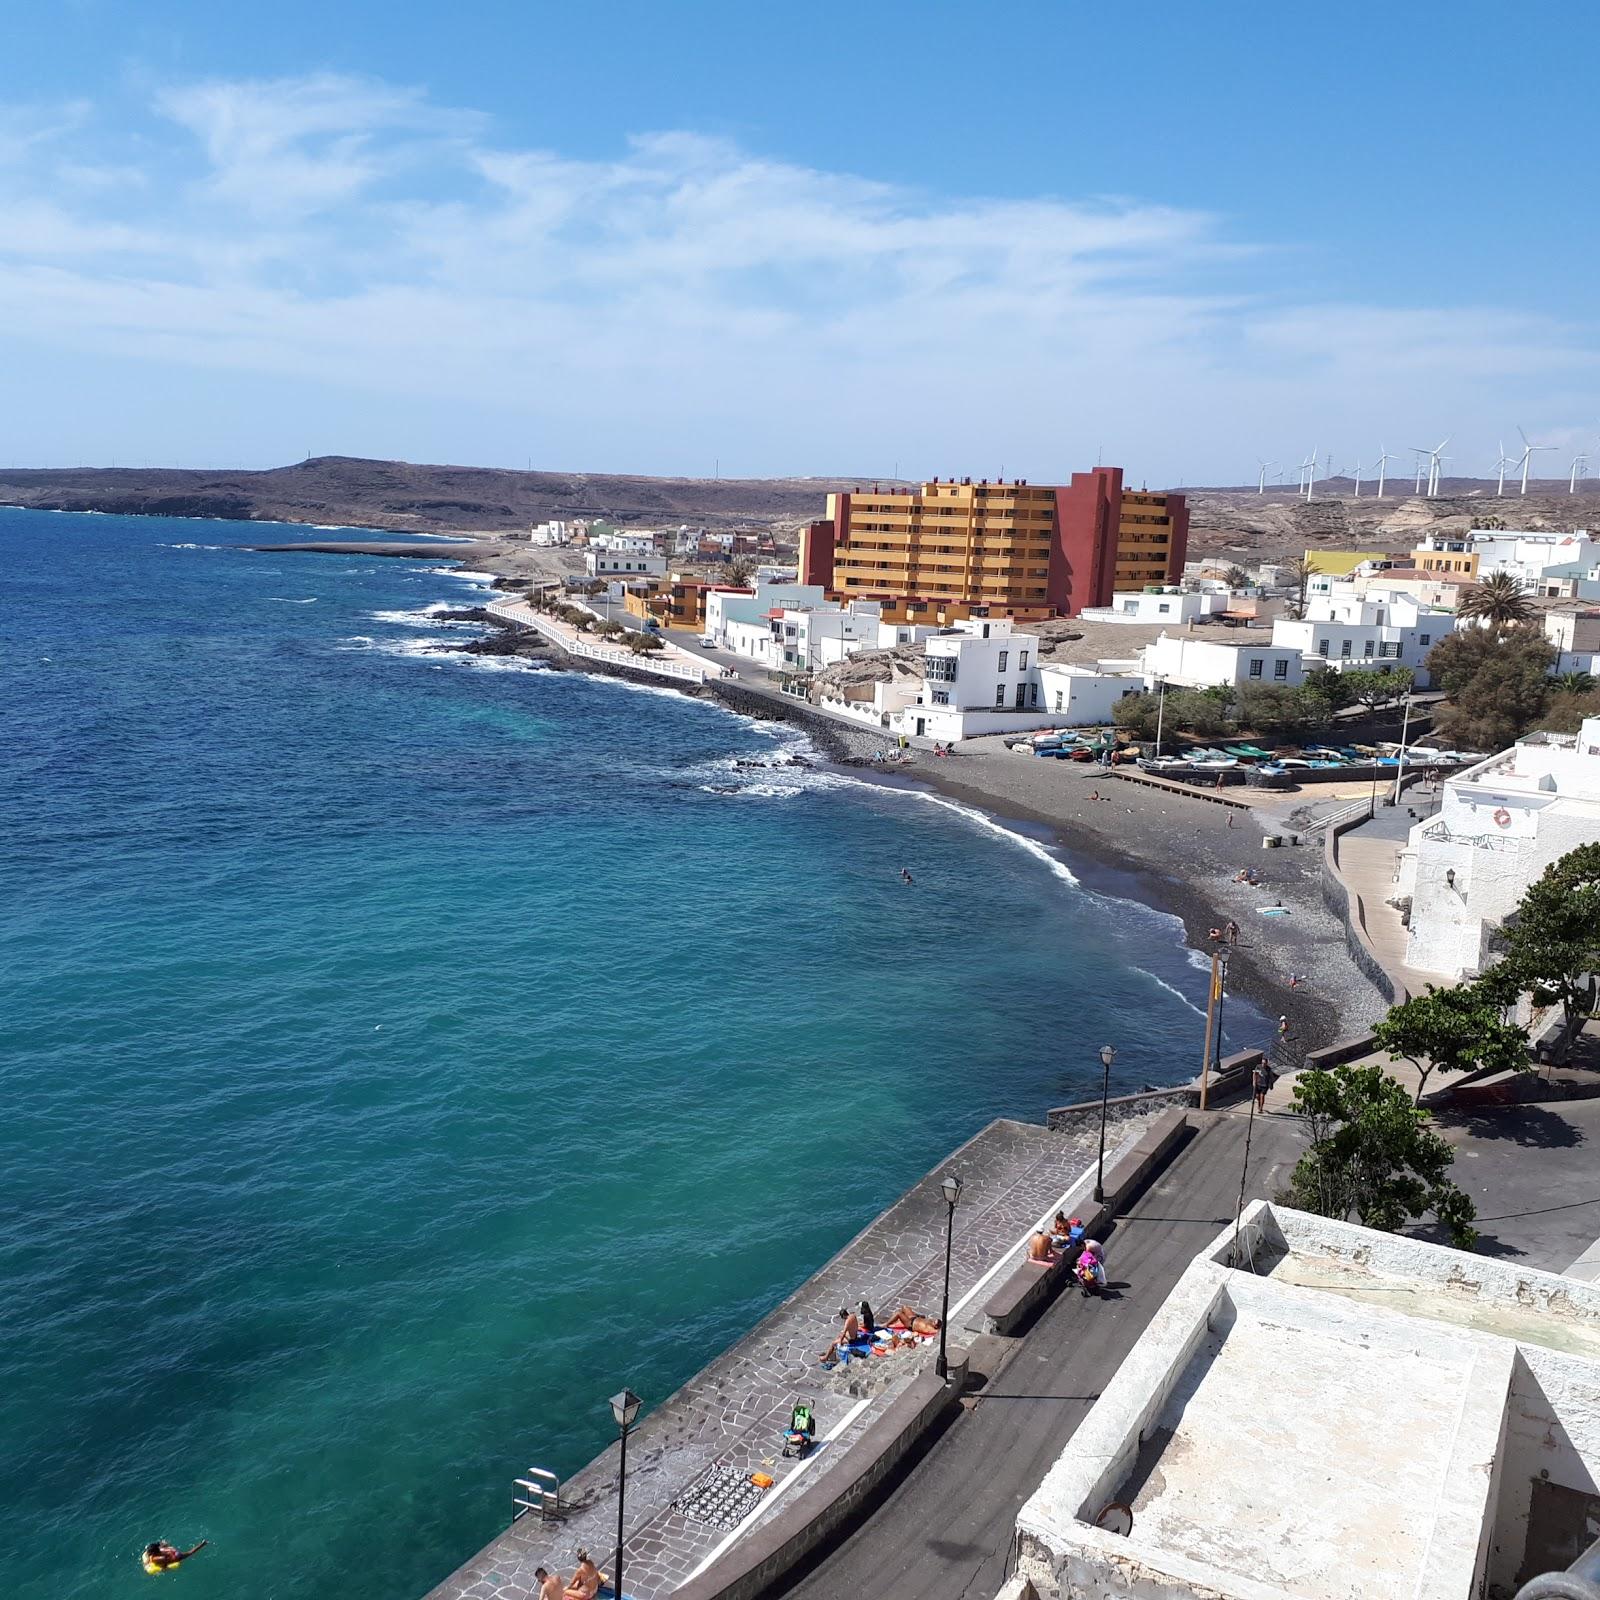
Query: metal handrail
pixel 1581 1581
pixel 535 1497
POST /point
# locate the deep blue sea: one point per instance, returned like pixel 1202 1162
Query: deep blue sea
pixel 401 1053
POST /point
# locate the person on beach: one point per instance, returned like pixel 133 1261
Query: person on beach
pixel 1041 1249
pixel 1231 928
pixel 549 1585
pixel 868 1325
pixel 849 1334
pixel 1283 1027
pixel 914 1320
pixel 159 1556
pixel 1260 1082
pixel 585 1583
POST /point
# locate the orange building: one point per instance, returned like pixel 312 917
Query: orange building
pixel 674 603
pixel 1009 549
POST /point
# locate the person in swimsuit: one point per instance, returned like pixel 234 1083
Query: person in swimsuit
pixel 915 1321
pixel 585 1581
pixel 549 1585
pixel 163 1557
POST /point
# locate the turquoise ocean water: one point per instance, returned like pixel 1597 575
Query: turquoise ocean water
pixel 400 1053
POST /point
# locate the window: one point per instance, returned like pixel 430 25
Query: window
pixel 1424 639
pixel 1022 695
pixel 1163 608
pixel 1344 649
pixel 1022 662
pixel 1322 648
pixel 1280 669
pixel 1255 667
pixel 1058 700
pixel 1003 655
pixel 1033 694
pixel 941 697
pixel 1366 649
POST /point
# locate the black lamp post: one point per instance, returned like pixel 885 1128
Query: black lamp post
pixel 624 1407
pixel 1107 1056
pixel 951 1189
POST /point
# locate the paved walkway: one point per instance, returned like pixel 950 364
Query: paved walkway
pixel 1368 860
pixel 946 1528
pixel 734 1412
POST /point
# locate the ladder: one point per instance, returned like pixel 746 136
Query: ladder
pixel 539 1491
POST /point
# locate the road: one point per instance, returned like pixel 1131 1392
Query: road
pixel 945 1529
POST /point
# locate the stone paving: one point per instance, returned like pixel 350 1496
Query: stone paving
pixel 735 1411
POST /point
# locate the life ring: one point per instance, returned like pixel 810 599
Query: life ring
pixel 1502 817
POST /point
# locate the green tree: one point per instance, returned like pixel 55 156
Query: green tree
pixel 1138 713
pixel 1300 572
pixel 643 643
pixel 1552 940
pixel 1199 711
pixel 1328 691
pixel 1277 711
pixel 1454 1030
pixel 1496 681
pixel 1376 689
pixel 1373 1156
pixel 1236 578
pixel 1498 600
pixel 1573 682
pixel 1568 709
pixel 739 571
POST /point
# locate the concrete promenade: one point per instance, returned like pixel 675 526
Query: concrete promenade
pixel 945 1528
pixel 733 1413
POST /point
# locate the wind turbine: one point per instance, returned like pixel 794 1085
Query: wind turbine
pixel 1356 473
pixel 1527 455
pixel 1434 458
pixel 1580 469
pixel 1384 458
pixel 1261 483
pixel 1500 466
pixel 1308 473
pixel 1419 454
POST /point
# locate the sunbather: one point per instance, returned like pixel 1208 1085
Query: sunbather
pixel 849 1335
pixel 585 1583
pixel 1041 1248
pixel 914 1320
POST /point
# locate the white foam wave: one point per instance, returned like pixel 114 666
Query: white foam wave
pixel 284 600
pixel 482 580
pixel 430 650
pixel 1162 983
pixel 191 547
pixel 422 617
pixel 989 825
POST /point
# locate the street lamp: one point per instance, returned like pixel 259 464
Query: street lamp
pixel 1161 710
pixel 624 1407
pixel 951 1190
pixel 1107 1056
pixel 1400 769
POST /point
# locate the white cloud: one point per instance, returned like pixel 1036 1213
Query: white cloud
pixel 343 232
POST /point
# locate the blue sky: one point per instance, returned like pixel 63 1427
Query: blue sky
pixel 821 239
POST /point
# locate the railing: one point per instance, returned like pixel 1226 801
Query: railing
pixel 530 1495
pixel 1339 814
pixel 519 615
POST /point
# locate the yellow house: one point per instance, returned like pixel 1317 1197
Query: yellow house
pixel 1340 563
pixel 1439 554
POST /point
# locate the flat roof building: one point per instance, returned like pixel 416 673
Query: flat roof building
pixel 1017 549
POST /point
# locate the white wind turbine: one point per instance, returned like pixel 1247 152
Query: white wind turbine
pixel 1308 474
pixel 1355 472
pixel 1421 456
pixel 1261 482
pixel 1528 449
pixel 1384 458
pixel 1500 466
pixel 1434 458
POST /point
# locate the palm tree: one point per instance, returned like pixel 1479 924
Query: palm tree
pixel 1498 600
pixel 1236 577
pixel 1575 682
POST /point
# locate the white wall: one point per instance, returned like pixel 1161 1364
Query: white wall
pixel 1202 663
pixel 1080 696
pixel 996 673
pixel 613 563
pixel 1171 606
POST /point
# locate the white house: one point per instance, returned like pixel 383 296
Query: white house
pixel 1375 631
pixel 1572 580
pixel 636 542
pixel 1526 553
pixel 1192 663
pixel 599 563
pixel 725 605
pixel 816 637
pixel 1160 605
pixel 1500 824
pixel 551 533
pixel 1575 633
pixel 980 678
pixel 1080 696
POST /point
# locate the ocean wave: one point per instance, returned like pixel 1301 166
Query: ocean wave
pixel 482 580
pixel 284 600
pixel 983 820
pixel 435 652
pixel 161 546
pixel 1199 1011
pixel 422 617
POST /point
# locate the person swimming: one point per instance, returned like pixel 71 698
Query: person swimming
pixel 159 1556
pixel 905 875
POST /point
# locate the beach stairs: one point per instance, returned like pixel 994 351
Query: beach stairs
pixel 539 1491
